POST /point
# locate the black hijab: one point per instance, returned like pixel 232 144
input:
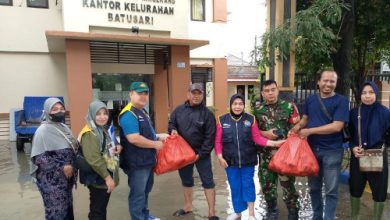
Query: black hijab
pixel 375 119
pixel 234 97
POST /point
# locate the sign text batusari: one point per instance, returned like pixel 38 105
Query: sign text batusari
pixel 132 12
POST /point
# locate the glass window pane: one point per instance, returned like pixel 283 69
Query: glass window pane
pixel 197 7
pixel 5 2
pixel 38 3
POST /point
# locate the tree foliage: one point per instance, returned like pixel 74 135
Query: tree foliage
pixel 352 36
pixel 312 34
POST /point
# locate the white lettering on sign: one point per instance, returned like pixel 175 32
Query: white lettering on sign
pixel 131 12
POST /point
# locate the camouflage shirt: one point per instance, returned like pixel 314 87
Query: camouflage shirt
pixel 281 115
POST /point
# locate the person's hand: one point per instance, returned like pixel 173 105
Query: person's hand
pixel 358 151
pixel 222 161
pixel 109 183
pixel 159 145
pixel 196 158
pixel 174 132
pixel 275 143
pixel 118 149
pixel 304 133
pixel 270 134
pixel 162 137
pixel 295 129
pixel 68 171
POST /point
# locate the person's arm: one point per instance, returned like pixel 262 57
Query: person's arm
pixel 340 116
pixel 334 127
pixel 218 139
pixel 140 141
pixel 257 137
pixel 50 162
pixel 92 154
pixel 219 146
pixel 172 123
pixel 301 124
pixel 351 128
pixel 262 141
pixel 209 136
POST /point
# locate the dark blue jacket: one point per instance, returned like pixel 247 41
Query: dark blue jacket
pixel 131 155
pixel 238 147
pixel 196 124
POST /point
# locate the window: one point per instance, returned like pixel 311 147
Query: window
pixel 38 3
pixel 5 2
pixel 197 10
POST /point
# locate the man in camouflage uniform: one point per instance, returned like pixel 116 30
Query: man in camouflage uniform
pixel 275 118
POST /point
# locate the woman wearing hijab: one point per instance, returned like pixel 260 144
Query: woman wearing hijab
pixel 236 135
pixel 375 121
pixel 53 154
pixel 97 149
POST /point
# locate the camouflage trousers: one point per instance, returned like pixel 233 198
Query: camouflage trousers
pixel 269 182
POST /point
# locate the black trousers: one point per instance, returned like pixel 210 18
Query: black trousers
pixel 98 203
pixel 377 180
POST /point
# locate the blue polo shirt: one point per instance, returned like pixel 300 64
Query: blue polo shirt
pixel 130 125
pixel 338 108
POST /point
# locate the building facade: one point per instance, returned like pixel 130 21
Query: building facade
pixel 93 49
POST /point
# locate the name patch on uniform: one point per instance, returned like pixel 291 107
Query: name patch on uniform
pixel 226 125
pixel 247 123
pixel 140 118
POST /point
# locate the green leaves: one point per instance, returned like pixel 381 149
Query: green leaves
pixel 311 32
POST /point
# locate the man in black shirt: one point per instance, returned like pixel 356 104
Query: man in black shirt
pixel 196 124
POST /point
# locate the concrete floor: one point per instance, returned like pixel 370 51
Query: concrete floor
pixel 20 198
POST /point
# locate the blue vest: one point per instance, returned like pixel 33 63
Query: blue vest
pixel 238 147
pixel 131 155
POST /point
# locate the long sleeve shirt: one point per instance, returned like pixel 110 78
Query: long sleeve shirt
pixel 256 137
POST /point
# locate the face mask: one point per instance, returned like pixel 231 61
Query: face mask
pixel 58 117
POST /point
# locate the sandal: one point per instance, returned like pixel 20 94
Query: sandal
pixel 181 212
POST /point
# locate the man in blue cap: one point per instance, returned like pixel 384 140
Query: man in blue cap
pixel 138 157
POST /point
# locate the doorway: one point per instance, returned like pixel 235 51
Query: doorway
pixel 113 89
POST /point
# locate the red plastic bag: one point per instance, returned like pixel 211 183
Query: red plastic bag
pixel 175 154
pixel 294 158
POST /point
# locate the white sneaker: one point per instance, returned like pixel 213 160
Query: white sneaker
pixel 151 217
pixel 234 216
pixel 252 218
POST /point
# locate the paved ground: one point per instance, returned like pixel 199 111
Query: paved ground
pixel 20 198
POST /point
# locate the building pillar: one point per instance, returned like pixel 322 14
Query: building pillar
pixel 278 12
pixel 79 80
pixel 161 105
pixel 220 86
pixel 179 75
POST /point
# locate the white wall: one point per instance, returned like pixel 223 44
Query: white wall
pixel 23 29
pixel 79 17
pixel 207 30
pixel 246 20
pixel 31 74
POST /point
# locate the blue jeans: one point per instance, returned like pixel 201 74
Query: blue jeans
pixel 140 181
pixel 330 167
pixel 242 186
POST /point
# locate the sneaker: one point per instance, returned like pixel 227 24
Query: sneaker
pixel 234 216
pixel 151 217
pixel 252 218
